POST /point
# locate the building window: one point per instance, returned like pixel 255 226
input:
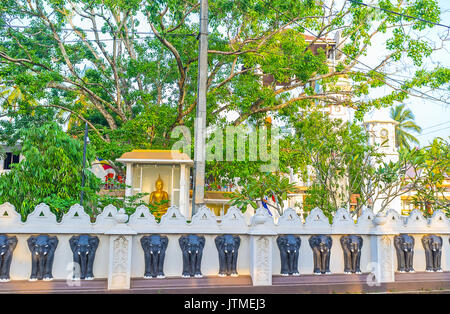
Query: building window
pixel 9 160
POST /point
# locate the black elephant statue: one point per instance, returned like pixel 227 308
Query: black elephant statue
pixel 351 245
pixel 42 248
pixel 192 249
pixel 289 246
pixel 321 246
pixel 154 247
pixel 83 248
pixel 228 246
pixel 7 246
pixel 404 245
pixel 433 251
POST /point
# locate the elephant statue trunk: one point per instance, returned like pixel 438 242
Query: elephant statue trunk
pixel 229 256
pixel 192 261
pixel 83 263
pixel 41 264
pixel 154 257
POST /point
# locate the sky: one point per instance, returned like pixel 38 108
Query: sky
pixel 432 116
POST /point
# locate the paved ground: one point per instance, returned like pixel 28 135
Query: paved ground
pixel 420 282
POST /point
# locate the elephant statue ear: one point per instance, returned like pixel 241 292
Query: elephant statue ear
pixel 299 241
pixel 426 242
pixel 144 241
pixel 312 241
pixel 201 240
pixel 360 241
pixel 31 242
pixel 93 241
pixel 413 241
pixel 164 241
pixel 329 241
pixel 237 241
pixel 344 241
pixel 219 240
pixel 73 242
pixel 281 240
pixel 53 241
pixel 397 242
pixel 182 240
pixel 12 242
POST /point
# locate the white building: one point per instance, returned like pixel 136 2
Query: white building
pixel 381 129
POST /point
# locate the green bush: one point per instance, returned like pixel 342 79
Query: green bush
pixel 51 173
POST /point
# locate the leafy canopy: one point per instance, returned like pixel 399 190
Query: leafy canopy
pixel 129 68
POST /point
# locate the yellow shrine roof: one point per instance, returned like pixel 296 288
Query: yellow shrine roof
pixel 154 156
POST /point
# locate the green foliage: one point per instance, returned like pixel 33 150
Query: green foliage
pixel 235 159
pixel 11 130
pixel 257 188
pixel 317 196
pixel 128 203
pixel 332 155
pixel 134 88
pixel 432 167
pixel 51 172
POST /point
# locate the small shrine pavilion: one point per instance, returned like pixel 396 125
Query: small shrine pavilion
pixel 163 174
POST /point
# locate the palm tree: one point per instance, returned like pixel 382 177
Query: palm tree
pixel 405 118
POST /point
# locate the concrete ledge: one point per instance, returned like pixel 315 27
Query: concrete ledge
pixel 187 283
pixel 341 283
pixel 420 282
pixel 54 286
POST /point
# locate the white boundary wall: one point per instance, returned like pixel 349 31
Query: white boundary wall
pixel 120 257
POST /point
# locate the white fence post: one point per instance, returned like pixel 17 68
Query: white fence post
pixel 120 248
pixel 261 234
pixel 383 250
pixel 383 254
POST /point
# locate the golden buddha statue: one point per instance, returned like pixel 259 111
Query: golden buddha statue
pixel 156 197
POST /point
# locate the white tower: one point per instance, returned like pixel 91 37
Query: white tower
pixel 381 129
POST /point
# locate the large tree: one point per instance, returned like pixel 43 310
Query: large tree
pixel 128 68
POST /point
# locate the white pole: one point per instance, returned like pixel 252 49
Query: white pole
pixel 198 195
